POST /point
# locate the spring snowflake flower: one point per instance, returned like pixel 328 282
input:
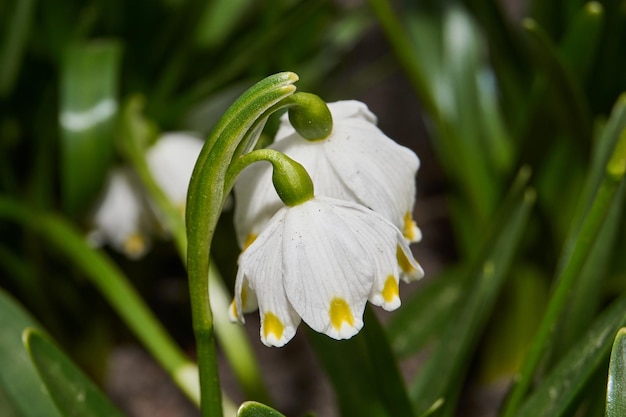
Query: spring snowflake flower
pixel 321 261
pixel 121 218
pixel 126 217
pixel 171 160
pixel 357 162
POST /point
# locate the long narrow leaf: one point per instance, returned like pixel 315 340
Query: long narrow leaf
pixel 20 384
pixel 364 372
pixel 559 389
pixel 89 104
pixel 616 388
pixel 444 370
pixel 566 279
pixel 73 392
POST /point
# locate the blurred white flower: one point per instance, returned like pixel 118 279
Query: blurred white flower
pixel 171 160
pixel 321 261
pixel 121 218
pixel 126 217
pixel 357 162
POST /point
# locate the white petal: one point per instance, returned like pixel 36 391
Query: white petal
pixel 256 202
pixel 410 269
pixel 120 217
pixel 171 160
pixel 379 172
pixel 261 265
pixel 328 277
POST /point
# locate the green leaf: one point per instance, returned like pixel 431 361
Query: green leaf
pixel 20 384
pixel 567 275
pixel 254 409
pixel 580 42
pixel 105 275
pixel 218 20
pixel 73 393
pixel 616 387
pixel 88 111
pixel 424 315
pixel 570 104
pixel 14 30
pixel 558 391
pixel 443 371
pixel 364 372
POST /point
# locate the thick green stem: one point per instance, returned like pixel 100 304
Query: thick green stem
pixel 204 203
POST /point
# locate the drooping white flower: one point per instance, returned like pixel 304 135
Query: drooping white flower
pixel 126 217
pixel 321 261
pixel 121 219
pixel 357 162
pixel 171 160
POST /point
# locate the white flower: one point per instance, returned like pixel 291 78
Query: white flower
pixel 121 218
pixel 126 216
pixel 321 261
pixel 357 162
pixel 171 160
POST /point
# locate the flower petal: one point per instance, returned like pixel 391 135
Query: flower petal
pixel 256 202
pixel 410 269
pixel 171 160
pixel 120 218
pixel 328 276
pixel 260 266
pixel 380 173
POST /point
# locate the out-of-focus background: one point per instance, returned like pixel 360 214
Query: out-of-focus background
pixel 481 90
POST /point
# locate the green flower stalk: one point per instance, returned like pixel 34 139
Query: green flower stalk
pixel 206 195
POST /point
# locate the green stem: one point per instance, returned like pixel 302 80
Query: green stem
pixel 113 285
pixel 291 181
pixel 233 339
pixel 204 204
pixel 590 228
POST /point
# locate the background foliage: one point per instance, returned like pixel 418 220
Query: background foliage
pixel 523 107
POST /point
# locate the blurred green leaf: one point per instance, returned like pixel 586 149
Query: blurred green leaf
pixel 556 393
pixel 63 237
pixel 585 295
pixel 443 53
pixel 88 112
pixel 509 333
pixel 569 270
pixel 20 384
pixel 424 314
pixel 254 409
pixel 15 21
pixel 218 20
pixel 442 373
pixel 364 372
pixel 73 393
pixel 570 104
pixel 616 387
pixel 579 45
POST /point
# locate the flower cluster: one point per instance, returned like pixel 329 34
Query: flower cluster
pixel 322 260
pixel 125 216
